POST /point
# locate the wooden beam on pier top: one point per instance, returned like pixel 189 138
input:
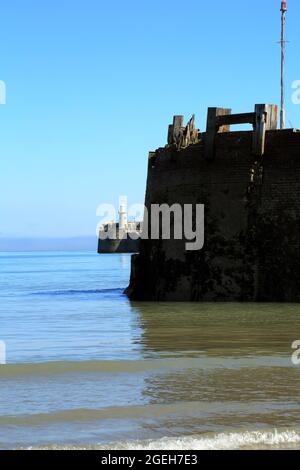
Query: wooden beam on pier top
pixel 220 119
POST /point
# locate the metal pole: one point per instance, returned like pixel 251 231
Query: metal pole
pixel 282 108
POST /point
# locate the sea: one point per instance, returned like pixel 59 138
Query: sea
pixel 88 369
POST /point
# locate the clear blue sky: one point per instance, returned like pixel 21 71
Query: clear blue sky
pixel 92 86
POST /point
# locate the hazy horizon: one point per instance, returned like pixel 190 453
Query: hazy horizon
pixel 29 244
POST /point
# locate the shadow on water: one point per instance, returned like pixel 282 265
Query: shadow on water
pixel 218 329
pixel 234 363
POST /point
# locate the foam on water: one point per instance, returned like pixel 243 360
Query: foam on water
pixel 222 441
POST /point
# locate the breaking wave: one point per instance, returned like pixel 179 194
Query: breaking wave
pixel 284 439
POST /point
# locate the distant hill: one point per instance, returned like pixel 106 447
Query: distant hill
pixel 88 243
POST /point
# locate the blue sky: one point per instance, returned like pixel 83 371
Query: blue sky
pixel 93 85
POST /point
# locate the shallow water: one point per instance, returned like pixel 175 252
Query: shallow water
pixel 88 369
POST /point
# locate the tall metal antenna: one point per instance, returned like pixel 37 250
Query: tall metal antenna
pixel 282 42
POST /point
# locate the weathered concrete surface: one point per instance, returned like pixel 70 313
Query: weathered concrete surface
pixel 252 223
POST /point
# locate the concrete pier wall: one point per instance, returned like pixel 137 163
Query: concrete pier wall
pixel 252 222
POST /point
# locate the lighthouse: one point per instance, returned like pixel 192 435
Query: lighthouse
pixel 123 217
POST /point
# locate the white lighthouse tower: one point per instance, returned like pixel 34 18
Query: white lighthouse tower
pixel 120 236
pixel 123 220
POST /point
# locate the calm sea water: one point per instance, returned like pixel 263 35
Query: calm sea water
pixel 88 369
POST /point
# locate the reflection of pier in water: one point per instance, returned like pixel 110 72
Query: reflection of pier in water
pixel 217 365
pixel 213 329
